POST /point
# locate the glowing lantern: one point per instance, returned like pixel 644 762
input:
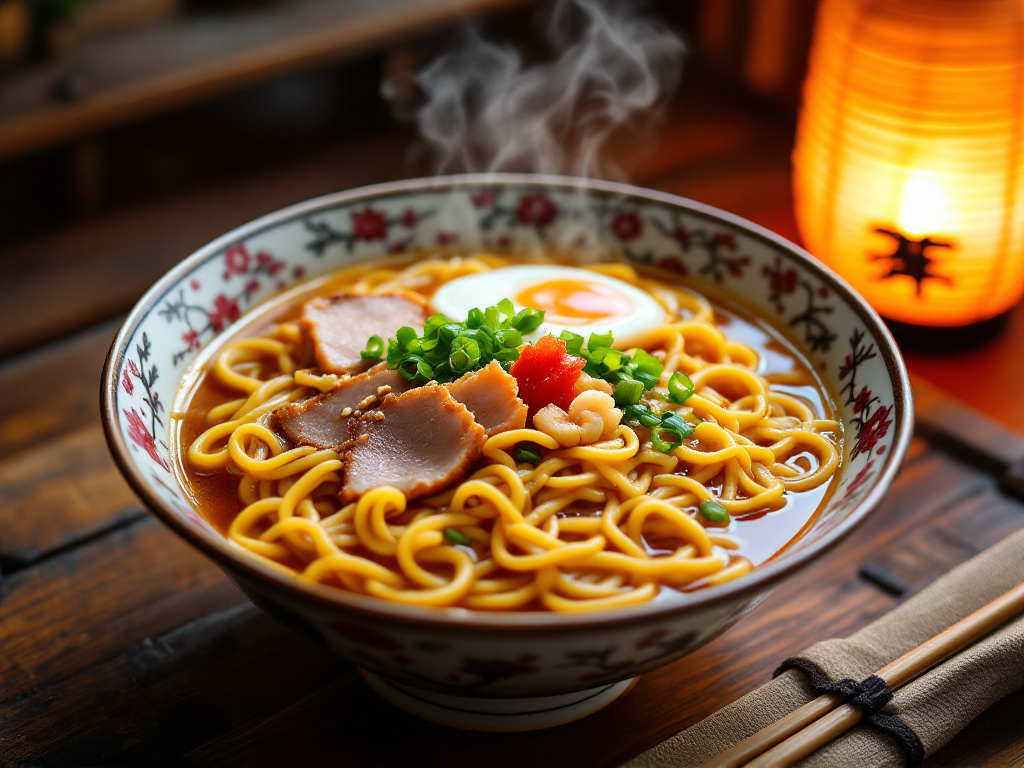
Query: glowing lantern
pixel 909 155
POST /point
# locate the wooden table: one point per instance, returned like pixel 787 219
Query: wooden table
pixel 120 645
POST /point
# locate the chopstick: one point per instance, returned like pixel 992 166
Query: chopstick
pixel 807 729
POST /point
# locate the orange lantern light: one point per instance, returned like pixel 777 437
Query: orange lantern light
pixel 909 159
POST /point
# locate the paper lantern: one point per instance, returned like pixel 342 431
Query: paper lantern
pixel 909 155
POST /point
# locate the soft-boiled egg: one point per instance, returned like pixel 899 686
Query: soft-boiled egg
pixel 576 300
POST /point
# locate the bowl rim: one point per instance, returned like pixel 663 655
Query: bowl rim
pixel 750 586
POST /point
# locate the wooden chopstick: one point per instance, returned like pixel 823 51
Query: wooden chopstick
pixel 807 729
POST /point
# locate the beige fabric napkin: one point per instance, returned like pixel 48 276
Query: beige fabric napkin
pixel 936 706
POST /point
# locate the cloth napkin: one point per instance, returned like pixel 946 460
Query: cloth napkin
pixel 934 707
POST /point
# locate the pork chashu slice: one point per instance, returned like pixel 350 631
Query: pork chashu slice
pixel 424 442
pixel 322 421
pixel 338 327
pixel 492 396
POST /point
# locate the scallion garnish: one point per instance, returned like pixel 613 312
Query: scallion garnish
pixel 528 453
pixel 659 423
pixel 714 512
pixel 446 350
pixel 628 392
pixel 457 537
pixel 680 387
pixel 374 349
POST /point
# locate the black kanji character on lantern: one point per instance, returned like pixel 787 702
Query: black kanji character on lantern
pixel 911 258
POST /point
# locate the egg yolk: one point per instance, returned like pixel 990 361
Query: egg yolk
pixel 576 302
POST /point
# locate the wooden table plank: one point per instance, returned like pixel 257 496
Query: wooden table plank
pixel 85 605
pixel 165 694
pixel 59 494
pixel 53 390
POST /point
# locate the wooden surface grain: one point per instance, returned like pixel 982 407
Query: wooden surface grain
pixel 195 56
pixel 120 645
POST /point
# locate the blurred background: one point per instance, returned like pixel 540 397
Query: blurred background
pixel 134 131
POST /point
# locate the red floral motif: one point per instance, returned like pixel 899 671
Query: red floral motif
pixel 191 339
pixel 225 311
pixel 536 209
pixel 862 477
pixel 252 285
pixel 194 285
pixel 863 400
pixel 269 264
pixel 672 264
pixel 847 367
pixel 140 435
pixel 682 236
pixel 781 281
pixel 874 429
pixel 726 240
pixel 299 272
pixel 484 198
pixel 736 266
pixel 397 248
pixel 627 226
pixel 447 238
pixel 236 260
pixel 369 224
pixel 126 380
pixel 409 218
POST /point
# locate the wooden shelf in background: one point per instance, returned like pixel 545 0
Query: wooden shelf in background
pixel 195 56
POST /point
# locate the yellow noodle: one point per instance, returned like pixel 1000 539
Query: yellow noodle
pixel 568 534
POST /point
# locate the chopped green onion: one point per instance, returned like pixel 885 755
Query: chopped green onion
pixel 628 392
pixel 714 512
pixel 661 444
pixel 457 537
pixel 599 341
pixel 465 354
pixel 528 453
pixel 680 387
pixel 528 320
pixel 374 349
pixel 447 350
pixel 642 415
pixel 673 422
pixel 573 342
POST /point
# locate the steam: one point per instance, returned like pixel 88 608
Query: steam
pixel 485 109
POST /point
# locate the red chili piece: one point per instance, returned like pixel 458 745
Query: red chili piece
pixel 546 373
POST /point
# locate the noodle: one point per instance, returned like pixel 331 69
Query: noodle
pixel 588 527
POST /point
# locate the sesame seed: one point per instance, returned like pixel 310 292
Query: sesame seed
pixel 363 438
pixel 346 413
pixel 384 390
pixel 378 416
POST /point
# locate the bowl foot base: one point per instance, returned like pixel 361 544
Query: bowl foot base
pixel 499 715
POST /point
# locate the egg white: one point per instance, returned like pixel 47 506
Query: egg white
pixel 484 289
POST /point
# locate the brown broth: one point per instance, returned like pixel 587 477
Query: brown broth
pixel 761 535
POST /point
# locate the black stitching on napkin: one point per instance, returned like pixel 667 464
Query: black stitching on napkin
pixel 869 696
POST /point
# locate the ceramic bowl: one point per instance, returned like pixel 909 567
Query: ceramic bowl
pixel 519 670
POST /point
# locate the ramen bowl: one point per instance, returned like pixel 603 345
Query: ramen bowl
pixel 517 670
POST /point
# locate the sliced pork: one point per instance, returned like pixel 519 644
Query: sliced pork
pixel 420 442
pixel 338 327
pixel 492 396
pixel 322 421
